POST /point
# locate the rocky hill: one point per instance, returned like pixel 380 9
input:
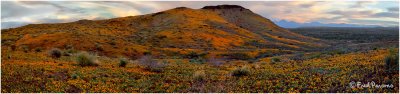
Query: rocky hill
pixel 212 29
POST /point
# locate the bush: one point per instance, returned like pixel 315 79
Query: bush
pixel 69 46
pixel 25 48
pixel 84 59
pixel 237 56
pixel 74 76
pixel 69 52
pixel 194 55
pixel 197 58
pixel 238 72
pixel 150 64
pixel 99 47
pixel 275 59
pixel 38 49
pixel 392 61
pixel 123 62
pixel 197 61
pixel 13 47
pixel 314 55
pixel 55 53
pixel 199 76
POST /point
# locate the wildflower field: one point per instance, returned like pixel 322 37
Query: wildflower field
pixel 37 72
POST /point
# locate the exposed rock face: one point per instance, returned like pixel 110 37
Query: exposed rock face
pixel 224 7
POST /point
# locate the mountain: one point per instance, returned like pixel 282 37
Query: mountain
pixel 212 29
pixel 292 24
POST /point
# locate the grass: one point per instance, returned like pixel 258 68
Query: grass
pixel 85 59
pixel 243 71
pixel 199 76
pixel 55 53
pixel 392 61
pixel 151 64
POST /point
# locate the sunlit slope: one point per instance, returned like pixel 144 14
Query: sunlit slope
pixel 215 28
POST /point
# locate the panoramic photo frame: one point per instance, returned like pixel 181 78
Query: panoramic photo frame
pixel 216 46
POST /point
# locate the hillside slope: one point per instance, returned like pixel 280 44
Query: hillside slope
pixel 176 31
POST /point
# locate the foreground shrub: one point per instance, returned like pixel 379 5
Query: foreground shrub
pixel 197 58
pixel 238 72
pixel 123 62
pixel 69 52
pixel 55 53
pixel 199 76
pixel 149 63
pixel 275 59
pixel 392 61
pixel 84 59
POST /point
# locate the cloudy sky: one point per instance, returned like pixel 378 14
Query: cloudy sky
pixel 382 13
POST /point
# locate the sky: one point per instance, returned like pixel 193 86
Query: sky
pixel 381 13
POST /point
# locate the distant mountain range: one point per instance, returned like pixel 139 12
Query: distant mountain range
pixel 292 24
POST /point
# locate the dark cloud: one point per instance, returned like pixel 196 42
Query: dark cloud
pixel 12 9
pixel 351 13
pixel 387 14
pixel 393 9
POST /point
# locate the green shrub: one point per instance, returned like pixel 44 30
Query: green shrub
pixel 84 59
pixel 69 46
pixel 314 55
pixel 112 42
pixel 69 52
pixel 123 62
pixel 197 61
pixel 392 61
pixel 39 49
pixel 25 48
pixel 74 76
pixel 275 59
pixel 238 72
pixel 99 47
pixel 237 56
pixel 199 76
pixel 55 53
pixel 194 55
